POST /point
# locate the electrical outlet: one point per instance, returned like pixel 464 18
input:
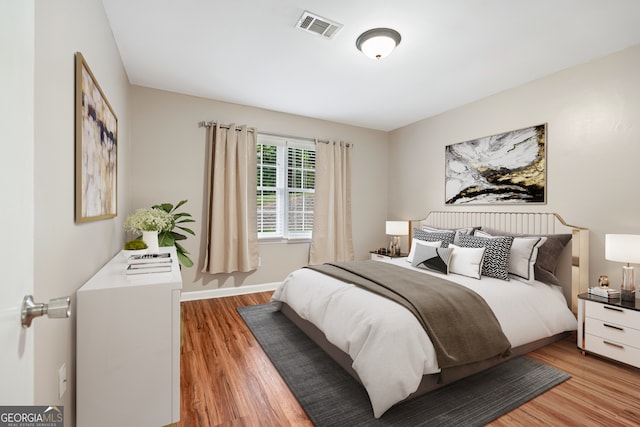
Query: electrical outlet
pixel 259 261
pixel 62 380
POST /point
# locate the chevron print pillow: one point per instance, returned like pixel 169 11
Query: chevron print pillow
pixel 432 258
pixel 496 255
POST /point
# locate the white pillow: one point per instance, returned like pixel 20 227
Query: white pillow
pixel 466 261
pixel 522 256
pixel 415 242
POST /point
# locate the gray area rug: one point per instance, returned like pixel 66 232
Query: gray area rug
pixel 331 397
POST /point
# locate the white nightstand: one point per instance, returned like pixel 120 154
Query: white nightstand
pixel 610 328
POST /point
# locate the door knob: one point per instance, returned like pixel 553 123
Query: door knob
pixel 57 308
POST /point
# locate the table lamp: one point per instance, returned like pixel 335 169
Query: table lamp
pixel 624 248
pixel 396 229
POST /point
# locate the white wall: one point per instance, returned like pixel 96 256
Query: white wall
pixel 66 253
pixel 593 149
pixel 168 165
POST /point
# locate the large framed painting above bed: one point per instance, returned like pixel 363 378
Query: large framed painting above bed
pixel 507 168
pixel 403 330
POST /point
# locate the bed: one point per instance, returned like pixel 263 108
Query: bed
pixel 385 347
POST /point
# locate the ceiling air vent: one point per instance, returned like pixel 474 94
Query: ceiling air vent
pixel 318 25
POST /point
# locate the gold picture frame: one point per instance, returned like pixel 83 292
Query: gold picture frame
pixel 96 135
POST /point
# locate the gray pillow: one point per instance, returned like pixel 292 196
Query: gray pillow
pixel 437 259
pixel 496 255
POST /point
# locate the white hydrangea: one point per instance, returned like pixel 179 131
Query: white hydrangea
pixel 151 219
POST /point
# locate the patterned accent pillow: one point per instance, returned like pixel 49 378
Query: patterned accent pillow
pixel 548 254
pixel 445 237
pixel 522 257
pixel 496 256
pixel 459 231
pixel 432 258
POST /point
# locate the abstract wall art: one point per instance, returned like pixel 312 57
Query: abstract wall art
pixel 96 146
pixel 505 168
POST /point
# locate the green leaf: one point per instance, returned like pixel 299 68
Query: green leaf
pixel 180 215
pixel 188 230
pixel 165 238
pixel 181 248
pixel 185 260
pixel 182 202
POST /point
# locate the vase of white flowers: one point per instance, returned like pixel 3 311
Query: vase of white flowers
pixel 149 222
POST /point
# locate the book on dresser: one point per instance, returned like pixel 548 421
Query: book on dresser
pixel 164 258
pixel 149 263
pixel 603 292
pixel 146 269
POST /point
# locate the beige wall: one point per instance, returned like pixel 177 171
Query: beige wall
pixel 593 149
pixel 168 164
pixel 66 253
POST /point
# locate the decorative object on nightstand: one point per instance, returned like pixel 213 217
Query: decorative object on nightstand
pixel 384 254
pixel 396 229
pixel 603 281
pixel 604 292
pixel 624 248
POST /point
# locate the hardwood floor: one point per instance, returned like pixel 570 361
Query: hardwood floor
pixel 227 380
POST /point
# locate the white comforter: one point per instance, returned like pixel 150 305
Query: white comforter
pixel 390 350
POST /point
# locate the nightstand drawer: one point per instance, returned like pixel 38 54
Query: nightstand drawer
pixel 613 350
pixel 379 257
pixel 613 331
pixel 613 314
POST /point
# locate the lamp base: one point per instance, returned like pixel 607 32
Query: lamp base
pixel 628 288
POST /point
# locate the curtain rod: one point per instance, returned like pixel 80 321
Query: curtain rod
pixel 204 124
pixel 210 124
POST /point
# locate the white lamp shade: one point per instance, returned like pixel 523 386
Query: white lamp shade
pixel 622 248
pixel 397 228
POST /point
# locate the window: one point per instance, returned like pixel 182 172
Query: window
pixel 286 187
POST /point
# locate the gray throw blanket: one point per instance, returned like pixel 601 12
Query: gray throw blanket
pixel 461 325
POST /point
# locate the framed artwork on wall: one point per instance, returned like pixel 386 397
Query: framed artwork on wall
pixel 96 135
pixel 500 169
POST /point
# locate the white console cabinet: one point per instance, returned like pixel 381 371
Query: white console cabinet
pixel 128 347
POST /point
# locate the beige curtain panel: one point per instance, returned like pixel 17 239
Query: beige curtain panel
pixel 232 237
pixel 332 230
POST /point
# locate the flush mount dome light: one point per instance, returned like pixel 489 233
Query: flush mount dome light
pixel 378 42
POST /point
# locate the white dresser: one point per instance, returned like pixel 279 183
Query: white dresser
pixel 128 347
pixel 609 328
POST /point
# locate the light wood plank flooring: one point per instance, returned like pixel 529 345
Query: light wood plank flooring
pixel 227 380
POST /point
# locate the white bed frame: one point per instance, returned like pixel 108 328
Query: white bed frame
pixel 573 267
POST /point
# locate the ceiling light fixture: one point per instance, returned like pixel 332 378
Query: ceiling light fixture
pixel 378 42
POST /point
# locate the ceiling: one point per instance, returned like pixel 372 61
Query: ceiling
pixel 452 51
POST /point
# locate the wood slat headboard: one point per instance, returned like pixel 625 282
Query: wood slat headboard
pixel 573 267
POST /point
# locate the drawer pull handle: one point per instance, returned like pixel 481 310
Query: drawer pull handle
pixel 613 327
pixel 613 344
pixel 614 309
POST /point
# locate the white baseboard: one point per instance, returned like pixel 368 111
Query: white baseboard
pixel 228 292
